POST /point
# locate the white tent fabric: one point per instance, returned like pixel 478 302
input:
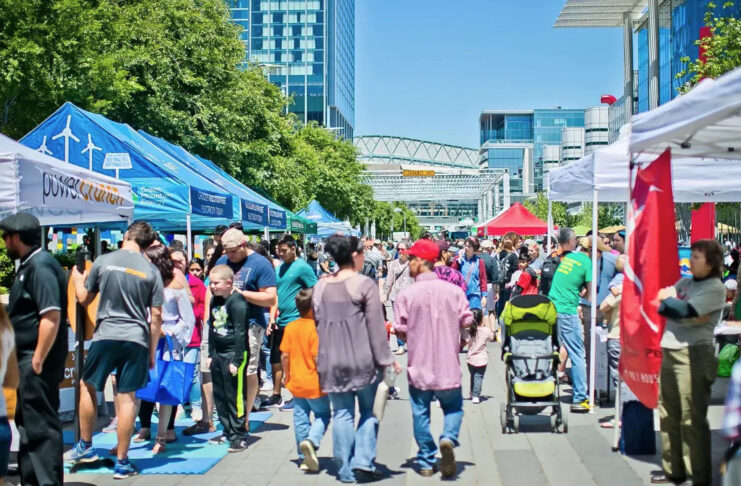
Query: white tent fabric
pixel 695 179
pixel 56 192
pixel 705 122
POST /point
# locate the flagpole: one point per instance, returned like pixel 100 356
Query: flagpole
pixel 550 215
pixel 593 302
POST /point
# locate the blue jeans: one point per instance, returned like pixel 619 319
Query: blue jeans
pixel 302 425
pixel 265 351
pixel 451 402
pixel 354 449
pixel 571 336
pixel 193 355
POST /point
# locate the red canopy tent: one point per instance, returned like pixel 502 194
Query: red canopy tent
pixel 516 219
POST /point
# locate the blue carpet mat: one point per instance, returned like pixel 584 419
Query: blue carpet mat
pixel 189 455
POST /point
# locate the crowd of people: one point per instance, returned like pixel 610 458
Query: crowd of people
pixel 256 317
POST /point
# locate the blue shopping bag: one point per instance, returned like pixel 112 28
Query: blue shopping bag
pixel 170 380
pixel 176 380
pixel 150 391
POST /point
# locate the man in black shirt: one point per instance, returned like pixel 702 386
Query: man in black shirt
pixel 37 309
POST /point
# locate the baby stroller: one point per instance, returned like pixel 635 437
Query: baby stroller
pixel 530 352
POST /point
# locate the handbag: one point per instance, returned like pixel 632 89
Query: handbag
pixel 169 381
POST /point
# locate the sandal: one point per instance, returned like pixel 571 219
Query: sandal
pixel 159 446
pixel 144 435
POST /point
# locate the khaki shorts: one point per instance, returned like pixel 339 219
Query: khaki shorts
pixel 204 349
pixel 255 335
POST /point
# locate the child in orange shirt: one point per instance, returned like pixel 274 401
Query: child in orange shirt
pixel 299 350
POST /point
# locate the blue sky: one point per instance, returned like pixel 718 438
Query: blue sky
pixel 427 68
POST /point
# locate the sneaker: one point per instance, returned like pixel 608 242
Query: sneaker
pixel 394 393
pixel 267 386
pixel 303 467
pixel 364 476
pixel 582 407
pixel 124 469
pixel 287 406
pixel 196 428
pixel 111 427
pixel 81 453
pixel 426 473
pixel 448 467
pixel 400 351
pixel 310 459
pixel 196 414
pixel 237 445
pixel 273 401
pixel 219 439
pixel 476 400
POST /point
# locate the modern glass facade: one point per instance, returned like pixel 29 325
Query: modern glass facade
pixel 680 22
pixel 515 141
pixel 307 48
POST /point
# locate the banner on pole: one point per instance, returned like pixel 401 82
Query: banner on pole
pixel 651 266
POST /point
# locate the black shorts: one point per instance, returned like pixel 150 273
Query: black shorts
pixel 276 337
pixel 129 360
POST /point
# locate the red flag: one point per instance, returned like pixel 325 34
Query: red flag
pixel 703 223
pixel 653 263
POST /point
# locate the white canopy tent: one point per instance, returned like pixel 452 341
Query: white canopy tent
pixel 56 192
pixel 705 122
pixel 695 179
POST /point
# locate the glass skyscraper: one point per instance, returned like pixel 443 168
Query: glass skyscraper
pixel 680 22
pixel 307 48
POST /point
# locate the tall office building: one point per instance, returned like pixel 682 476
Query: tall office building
pixel 516 140
pixel 307 48
pixel 680 25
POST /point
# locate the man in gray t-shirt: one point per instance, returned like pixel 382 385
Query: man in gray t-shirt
pixel 127 329
pixel 128 285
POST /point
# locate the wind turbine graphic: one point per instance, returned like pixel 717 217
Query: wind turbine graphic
pixel 67 134
pixel 43 148
pixel 89 148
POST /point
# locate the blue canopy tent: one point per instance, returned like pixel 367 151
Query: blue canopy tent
pixel 252 207
pixel 327 224
pixel 166 192
pixel 276 213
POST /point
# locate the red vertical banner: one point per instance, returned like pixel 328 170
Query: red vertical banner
pixel 703 223
pixel 653 263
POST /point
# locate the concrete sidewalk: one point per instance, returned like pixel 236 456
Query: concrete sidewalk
pixel 535 456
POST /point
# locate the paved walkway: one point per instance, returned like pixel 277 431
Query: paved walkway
pixel 534 457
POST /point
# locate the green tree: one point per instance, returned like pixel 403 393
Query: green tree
pixel 607 215
pixel 722 49
pixel 539 207
pixel 172 68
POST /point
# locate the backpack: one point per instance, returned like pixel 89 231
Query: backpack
pixel 547 272
pixel 499 272
pixel 369 270
pixel 726 359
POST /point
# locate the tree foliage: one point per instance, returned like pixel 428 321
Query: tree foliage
pixel 722 50
pixel 539 207
pixel 171 67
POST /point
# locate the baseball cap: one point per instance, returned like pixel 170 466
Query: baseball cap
pixel 425 249
pixel 232 238
pixel 20 223
pixel 731 285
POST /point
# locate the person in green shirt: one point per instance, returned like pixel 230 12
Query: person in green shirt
pixel 573 273
pixel 292 276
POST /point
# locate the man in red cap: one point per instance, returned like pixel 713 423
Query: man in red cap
pixel 430 314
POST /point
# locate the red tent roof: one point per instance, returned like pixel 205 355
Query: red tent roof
pixel 517 219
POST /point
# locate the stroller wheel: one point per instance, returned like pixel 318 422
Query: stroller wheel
pixel 554 422
pixel 503 417
pixel 516 424
pixel 564 421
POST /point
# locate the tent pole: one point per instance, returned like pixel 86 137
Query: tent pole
pixel 593 302
pixel 618 416
pixel 549 229
pixel 189 237
pixel 98 245
pixel 266 234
